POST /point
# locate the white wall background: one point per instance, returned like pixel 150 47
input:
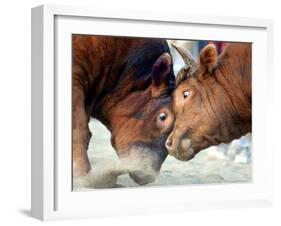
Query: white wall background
pixel 15 112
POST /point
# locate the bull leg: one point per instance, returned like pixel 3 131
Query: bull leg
pixel 80 134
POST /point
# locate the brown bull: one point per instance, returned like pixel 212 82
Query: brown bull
pixel 212 101
pixel 126 83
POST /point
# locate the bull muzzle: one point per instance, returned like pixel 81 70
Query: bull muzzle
pixel 143 177
pixel 144 163
pixel 179 147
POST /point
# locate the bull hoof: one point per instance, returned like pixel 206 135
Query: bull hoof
pixel 103 175
pixel 81 169
pixel 96 180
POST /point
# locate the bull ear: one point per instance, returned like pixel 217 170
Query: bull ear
pixel 208 60
pixel 161 75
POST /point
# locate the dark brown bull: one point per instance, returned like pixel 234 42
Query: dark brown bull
pixel 126 83
pixel 212 101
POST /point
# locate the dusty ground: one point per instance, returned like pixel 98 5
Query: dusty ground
pixel 209 166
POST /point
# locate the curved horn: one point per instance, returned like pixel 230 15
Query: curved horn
pixel 186 71
pixel 185 54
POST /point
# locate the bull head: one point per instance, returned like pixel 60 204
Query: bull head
pixel 191 127
pixel 150 120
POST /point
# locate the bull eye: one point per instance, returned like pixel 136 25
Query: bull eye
pixel 186 94
pixel 162 116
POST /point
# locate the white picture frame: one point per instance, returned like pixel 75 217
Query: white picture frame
pixel 52 197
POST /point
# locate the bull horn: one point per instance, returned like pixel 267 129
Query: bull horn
pixel 187 70
pixel 185 54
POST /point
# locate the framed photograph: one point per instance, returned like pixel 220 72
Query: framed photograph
pixel 142 112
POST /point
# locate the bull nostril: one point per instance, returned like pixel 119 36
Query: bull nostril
pixel 169 143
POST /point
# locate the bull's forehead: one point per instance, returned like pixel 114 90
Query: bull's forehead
pixel 154 105
pixel 157 104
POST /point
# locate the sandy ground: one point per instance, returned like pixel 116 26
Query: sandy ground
pixel 209 166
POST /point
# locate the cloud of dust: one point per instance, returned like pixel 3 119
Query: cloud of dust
pixel 105 174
